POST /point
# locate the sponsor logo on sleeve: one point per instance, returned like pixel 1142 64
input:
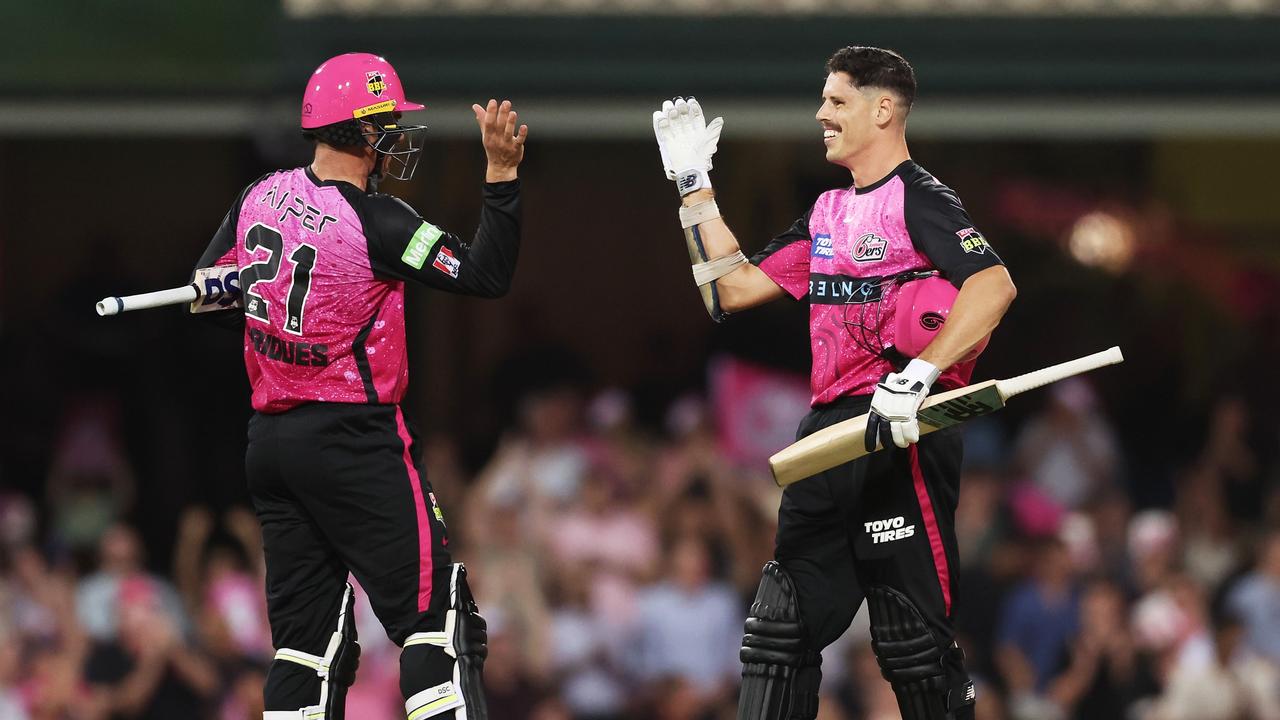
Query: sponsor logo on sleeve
pixel 971 241
pixel 419 247
pixel 822 246
pixel 447 263
pixel 869 248
pixel 375 83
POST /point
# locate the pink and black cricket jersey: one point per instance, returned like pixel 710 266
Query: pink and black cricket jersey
pixel 907 221
pixel 322 268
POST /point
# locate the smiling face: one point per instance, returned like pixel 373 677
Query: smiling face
pixel 853 118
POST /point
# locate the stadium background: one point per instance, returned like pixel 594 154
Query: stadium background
pixel 1121 555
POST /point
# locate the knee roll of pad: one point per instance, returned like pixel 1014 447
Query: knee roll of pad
pixel 930 683
pixel 336 668
pixel 465 639
pixel 780 674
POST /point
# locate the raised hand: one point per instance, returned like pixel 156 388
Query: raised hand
pixel 503 143
pixel 686 141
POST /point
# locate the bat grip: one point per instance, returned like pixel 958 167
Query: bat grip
pixel 175 296
pixel 1054 373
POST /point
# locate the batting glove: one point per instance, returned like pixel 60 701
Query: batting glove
pixel 686 142
pixel 894 405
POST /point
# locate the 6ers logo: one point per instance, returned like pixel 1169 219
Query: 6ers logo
pixel 869 248
pixel 375 83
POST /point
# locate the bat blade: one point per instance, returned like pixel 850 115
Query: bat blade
pixel 844 442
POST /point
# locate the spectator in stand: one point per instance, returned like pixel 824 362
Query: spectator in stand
pixel 1228 457
pixel 584 656
pixel 546 459
pixel 1038 622
pixel 91 484
pixel 512 693
pixel 120 559
pixel 1153 546
pixel 11 705
pixel 690 627
pixel 149 671
pixel 1229 682
pixel 1104 673
pixel 1069 450
pixel 1211 549
pixel 1255 600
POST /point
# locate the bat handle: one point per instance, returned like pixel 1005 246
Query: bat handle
pixel 1054 373
pixel 160 298
pixel 110 306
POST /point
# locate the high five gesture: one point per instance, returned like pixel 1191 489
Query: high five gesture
pixel 503 143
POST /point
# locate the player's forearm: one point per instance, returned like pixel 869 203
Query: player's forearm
pixel 490 264
pixel 745 286
pixel 982 302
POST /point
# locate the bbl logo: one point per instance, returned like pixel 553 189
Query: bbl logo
pixel 375 83
pixel 971 241
pixel 869 248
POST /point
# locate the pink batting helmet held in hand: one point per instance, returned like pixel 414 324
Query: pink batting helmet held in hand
pixel 921 310
pixel 350 87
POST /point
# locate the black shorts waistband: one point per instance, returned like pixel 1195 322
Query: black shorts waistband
pixel 848 402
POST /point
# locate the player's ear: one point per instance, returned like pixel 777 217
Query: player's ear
pixel 885 108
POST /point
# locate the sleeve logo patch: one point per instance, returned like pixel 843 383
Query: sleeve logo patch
pixel 971 241
pixel 869 248
pixel 822 246
pixel 446 263
pixel 419 248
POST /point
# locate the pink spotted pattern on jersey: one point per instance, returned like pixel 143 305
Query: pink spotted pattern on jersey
pixel 345 299
pixel 870 226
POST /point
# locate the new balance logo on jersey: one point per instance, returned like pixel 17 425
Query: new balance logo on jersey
pixel 882 531
pixel 869 248
pixel 446 263
pixel 822 246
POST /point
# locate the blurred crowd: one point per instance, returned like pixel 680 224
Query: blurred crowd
pixel 615 564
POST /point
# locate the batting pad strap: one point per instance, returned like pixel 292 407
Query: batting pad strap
pixel 438 639
pixel 698 214
pixel 315 662
pixel 712 270
pixel 433 701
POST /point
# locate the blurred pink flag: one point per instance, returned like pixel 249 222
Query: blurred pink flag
pixel 756 408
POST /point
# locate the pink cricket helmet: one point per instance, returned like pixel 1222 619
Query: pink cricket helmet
pixel 352 86
pixel 920 312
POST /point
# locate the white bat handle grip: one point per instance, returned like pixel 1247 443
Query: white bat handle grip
pixel 1054 373
pixel 175 296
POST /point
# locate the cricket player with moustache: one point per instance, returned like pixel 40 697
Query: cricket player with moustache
pixel 903 292
pixel 334 469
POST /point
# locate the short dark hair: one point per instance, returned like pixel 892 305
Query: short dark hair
pixel 876 67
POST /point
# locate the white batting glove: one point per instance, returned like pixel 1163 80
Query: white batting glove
pixel 686 142
pixel 894 405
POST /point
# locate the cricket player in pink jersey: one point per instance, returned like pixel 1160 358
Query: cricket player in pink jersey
pixel 903 292
pixel 334 469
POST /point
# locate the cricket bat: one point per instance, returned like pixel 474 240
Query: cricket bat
pixel 844 441
pixel 214 288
